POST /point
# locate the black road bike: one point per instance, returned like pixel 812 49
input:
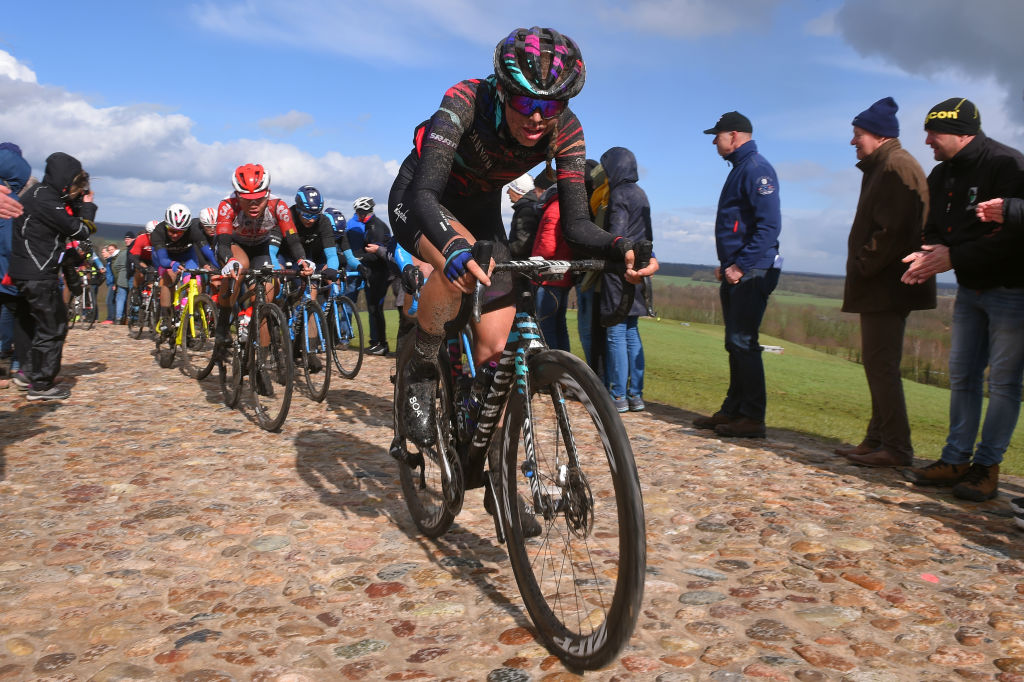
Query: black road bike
pixel 548 443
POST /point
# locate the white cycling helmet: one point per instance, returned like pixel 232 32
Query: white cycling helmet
pixel 178 216
pixel 208 217
pixel 363 204
pixel 151 225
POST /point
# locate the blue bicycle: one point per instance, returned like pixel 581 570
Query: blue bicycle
pixel 345 329
pixel 310 335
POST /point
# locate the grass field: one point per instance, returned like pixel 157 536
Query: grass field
pixel 778 296
pixel 808 391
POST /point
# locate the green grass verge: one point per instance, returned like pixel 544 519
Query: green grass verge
pixel 808 391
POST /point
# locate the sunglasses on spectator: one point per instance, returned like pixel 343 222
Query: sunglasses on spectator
pixel 549 108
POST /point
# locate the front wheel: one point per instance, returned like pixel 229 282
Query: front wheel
pixel 582 578
pixel 313 349
pixel 74 311
pixel 131 312
pixel 427 489
pixel 197 337
pixel 271 372
pixel 346 336
pixel 89 311
pixel 165 343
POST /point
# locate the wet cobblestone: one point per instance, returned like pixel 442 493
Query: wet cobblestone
pixel 150 533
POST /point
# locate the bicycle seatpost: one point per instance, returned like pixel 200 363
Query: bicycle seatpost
pixel 482 255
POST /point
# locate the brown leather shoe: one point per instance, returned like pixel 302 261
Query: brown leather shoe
pixel 880 458
pixel 855 450
pixel 744 427
pixel 981 483
pixel 714 420
pixel 937 473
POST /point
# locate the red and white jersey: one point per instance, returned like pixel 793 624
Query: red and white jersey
pixel 142 248
pixel 244 229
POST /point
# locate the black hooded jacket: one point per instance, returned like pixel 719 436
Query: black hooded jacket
pixel 41 233
pixel 628 216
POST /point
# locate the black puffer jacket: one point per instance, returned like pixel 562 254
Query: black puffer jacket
pixel 41 233
pixel 984 255
pixel 628 216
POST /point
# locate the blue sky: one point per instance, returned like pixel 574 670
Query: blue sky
pixel 161 101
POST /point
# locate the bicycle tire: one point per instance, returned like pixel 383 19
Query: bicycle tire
pixel 346 327
pixel 230 374
pixel 197 338
pixel 166 346
pixel 271 374
pixel 310 320
pixel 151 314
pixel 89 312
pixel 131 311
pixel 423 485
pixel 582 579
pixel 73 312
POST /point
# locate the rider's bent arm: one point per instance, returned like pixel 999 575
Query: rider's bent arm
pixel 332 257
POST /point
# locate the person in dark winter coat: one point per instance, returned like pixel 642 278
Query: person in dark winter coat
pixel 629 217
pixel 988 315
pixel 58 209
pixel 888 224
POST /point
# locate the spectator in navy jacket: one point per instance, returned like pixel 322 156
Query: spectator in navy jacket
pixel 747 238
pixel 14 173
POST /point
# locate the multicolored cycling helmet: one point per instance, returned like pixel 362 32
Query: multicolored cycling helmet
pixel 364 204
pixel 519 70
pixel 251 181
pixel 309 200
pixel 208 217
pixel 177 216
pixel 337 219
pixel 151 225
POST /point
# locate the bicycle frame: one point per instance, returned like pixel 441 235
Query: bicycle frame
pixel 188 285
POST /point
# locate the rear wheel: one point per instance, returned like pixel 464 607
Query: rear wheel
pixel 131 312
pixel 271 372
pixel 313 349
pixel 197 338
pixel 89 312
pixel 582 578
pixel 230 373
pixel 347 337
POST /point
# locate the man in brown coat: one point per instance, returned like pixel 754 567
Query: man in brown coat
pixel 890 217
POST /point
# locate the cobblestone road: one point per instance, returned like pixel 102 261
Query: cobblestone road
pixel 149 533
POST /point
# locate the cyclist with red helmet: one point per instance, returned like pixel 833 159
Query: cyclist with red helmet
pixel 487 132
pixel 247 221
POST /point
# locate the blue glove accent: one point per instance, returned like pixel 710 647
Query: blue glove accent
pixel 273 256
pixel 351 262
pixel 456 255
pixel 332 257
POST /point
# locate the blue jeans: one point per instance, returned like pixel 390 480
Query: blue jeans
pixel 551 316
pixel 111 302
pixel 988 330
pixel 625 361
pixel 743 306
pixel 120 299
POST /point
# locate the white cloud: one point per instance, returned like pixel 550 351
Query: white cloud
pixel 143 160
pixel 689 18
pixel 10 67
pixel 823 25
pixel 287 123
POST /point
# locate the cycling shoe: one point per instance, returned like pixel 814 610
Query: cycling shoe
pixel 264 386
pixel 417 407
pixel 527 519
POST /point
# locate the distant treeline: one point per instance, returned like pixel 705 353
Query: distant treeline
pixel 824 328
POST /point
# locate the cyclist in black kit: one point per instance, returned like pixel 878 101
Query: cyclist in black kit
pixel 487 132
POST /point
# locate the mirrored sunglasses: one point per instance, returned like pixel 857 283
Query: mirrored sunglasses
pixel 549 108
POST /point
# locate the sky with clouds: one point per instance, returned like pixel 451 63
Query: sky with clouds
pixel 160 101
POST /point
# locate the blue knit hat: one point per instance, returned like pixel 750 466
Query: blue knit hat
pixel 880 118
